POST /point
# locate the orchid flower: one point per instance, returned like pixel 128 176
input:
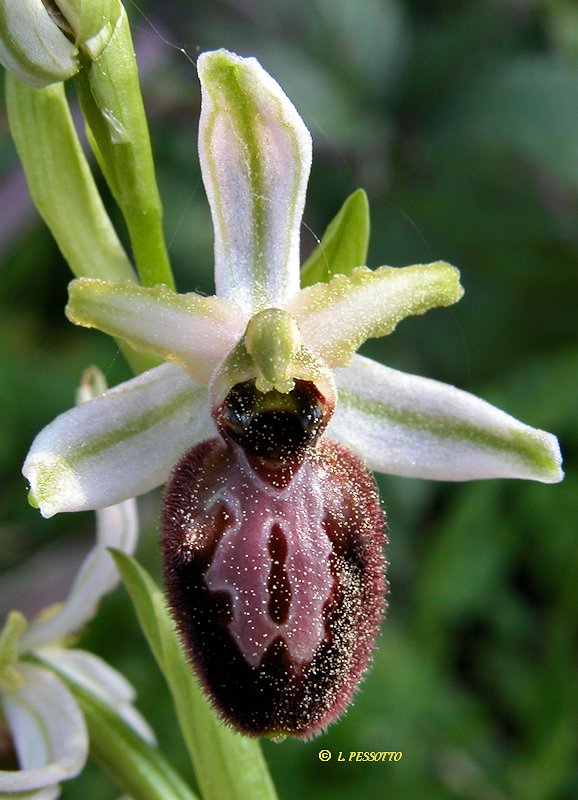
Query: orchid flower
pixel 45 720
pixel 272 527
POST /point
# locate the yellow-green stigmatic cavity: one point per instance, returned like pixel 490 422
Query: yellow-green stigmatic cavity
pixel 273 341
pixel 271 354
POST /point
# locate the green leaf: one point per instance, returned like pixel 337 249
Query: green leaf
pixel 344 243
pixel 228 766
pixel 137 767
pixel 61 183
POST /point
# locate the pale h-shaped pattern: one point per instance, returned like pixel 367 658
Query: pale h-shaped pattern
pixel 245 567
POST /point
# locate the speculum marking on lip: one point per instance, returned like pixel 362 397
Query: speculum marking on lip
pixel 278 585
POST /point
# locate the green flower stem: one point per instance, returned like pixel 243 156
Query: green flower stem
pixel 228 766
pixel 111 101
pixel 61 183
pixel 136 766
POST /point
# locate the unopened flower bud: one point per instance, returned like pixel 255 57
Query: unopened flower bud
pixel 41 43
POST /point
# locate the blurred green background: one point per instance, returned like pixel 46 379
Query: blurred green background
pixel 460 119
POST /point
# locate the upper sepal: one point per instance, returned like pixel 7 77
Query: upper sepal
pixel 255 155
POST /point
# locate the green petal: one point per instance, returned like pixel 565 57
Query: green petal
pixel 417 427
pixel 335 318
pixel 255 157
pixel 344 243
pixel 190 330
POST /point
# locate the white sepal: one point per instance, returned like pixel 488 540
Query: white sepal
pixel 49 793
pixel 119 445
pixel 417 427
pixel 48 729
pixel 255 155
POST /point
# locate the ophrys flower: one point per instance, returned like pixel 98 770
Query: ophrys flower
pixel 272 527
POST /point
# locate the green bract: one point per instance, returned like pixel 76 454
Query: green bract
pixel 344 243
pixel 255 156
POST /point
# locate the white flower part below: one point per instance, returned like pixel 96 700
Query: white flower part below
pixel 116 526
pixel 48 730
pixel 49 793
pixel 45 720
pixel 119 445
pixel 101 680
pixel 417 427
pixel 255 155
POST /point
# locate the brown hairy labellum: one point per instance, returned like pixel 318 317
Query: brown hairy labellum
pixel 273 553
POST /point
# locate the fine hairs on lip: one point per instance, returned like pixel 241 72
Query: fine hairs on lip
pixel 277 586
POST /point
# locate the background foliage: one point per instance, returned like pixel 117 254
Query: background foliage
pixel 461 121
